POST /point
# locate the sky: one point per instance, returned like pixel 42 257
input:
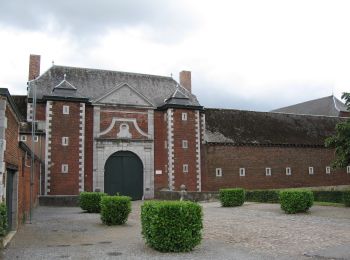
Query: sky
pixel 251 54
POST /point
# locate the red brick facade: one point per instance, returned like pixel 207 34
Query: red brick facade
pixel 160 151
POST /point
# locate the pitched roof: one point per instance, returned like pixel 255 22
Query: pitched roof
pixel 327 106
pixel 265 128
pixel 94 83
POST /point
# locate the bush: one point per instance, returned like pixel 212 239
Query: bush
pixel 231 197
pixel 171 226
pixel 115 209
pixel 328 196
pixel 294 201
pixel 90 201
pixel 267 196
pixel 3 219
pixel 346 198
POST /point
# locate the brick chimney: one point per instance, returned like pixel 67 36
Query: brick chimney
pixel 185 80
pixel 34 66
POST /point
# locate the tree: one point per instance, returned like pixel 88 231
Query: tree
pixel 341 140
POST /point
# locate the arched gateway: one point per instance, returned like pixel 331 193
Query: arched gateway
pixel 124 175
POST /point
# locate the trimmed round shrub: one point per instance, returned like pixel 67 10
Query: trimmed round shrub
pixel 3 219
pixel 115 209
pixel 90 201
pixel 346 198
pixel 232 197
pixel 172 226
pixel 294 201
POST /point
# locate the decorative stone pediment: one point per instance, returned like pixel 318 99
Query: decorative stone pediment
pixel 124 94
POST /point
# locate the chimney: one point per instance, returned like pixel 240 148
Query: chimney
pixel 34 66
pixel 185 80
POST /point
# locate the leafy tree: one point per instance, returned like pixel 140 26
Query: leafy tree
pixel 341 140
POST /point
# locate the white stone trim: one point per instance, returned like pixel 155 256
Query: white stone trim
pixel 96 130
pixel 170 127
pixel 150 118
pixel 48 147
pixel 198 151
pixel 81 147
pixel 117 119
pixel 124 111
pixel 203 127
pixel 29 112
pixel 3 118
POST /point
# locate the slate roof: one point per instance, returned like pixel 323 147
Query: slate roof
pixel 327 106
pixel 94 83
pixel 238 127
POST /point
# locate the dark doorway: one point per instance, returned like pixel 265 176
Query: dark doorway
pixel 9 197
pixel 124 175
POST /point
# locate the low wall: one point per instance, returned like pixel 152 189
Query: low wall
pixel 59 200
pixel 191 195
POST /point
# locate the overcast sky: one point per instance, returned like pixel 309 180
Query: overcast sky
pixel 255 55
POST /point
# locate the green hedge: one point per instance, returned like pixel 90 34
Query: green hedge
pixel 267 196
pixel 232 197
pixel 115 209
pixel 294 201
pixel 90 201
pixel 346 198
pixel 3 219
pixel 328 196
pixel 171 226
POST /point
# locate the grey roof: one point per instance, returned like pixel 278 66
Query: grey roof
pixel 178 98
pixel 265 128
pixel 327 106
pixel 94 83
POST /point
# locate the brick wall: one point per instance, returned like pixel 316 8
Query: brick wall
pixel 11 135
pixel 160 151
pixel 89 124
pixel 256 159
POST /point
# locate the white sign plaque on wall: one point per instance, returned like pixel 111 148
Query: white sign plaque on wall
pixel 158 172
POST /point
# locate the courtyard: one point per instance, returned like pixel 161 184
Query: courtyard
pixel 252 231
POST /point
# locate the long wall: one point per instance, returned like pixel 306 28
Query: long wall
pixel 255 160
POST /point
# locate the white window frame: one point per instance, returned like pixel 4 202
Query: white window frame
pixel 328 170
pixel 65 110
pixel 184 144
pixel 268 171
pixel 288 171
pixel 241 172
pixel 218 172
pixel 36 138
pixel 165 144
pixel 185 168
pixel 348 169
pixel 184 116
pixel 65 141
pixel 311 170
pixel 23 138
pixel 64 168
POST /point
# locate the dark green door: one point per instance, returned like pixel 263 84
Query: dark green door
pixel 9 197
pixel 124 175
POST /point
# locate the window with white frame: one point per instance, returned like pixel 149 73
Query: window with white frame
pixel 165 144
pixel 185 168
pixel 347 169
pixel 36 138
pixel 66 110
pixel 268 171
pixel 288 171
pixel 218 172
pixel 311 170
pixel 328 170
pixel 184 116
pixel 64 168
pixel 184 144
pixel 241 172
pixel 65 140
pixel 23 138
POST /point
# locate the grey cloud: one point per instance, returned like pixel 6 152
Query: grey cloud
pixel 86 18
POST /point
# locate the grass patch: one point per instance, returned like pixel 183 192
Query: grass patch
pixel 331 204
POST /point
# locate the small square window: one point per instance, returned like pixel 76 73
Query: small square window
pixel 184 116
pixel 328 170
pixel 185 168
pixel 64 168
pixel 184 144
pixel 165 144
pixel 241 172
pixel 347 169
pixel 218 172
pixel 165 117
pixel 23 138
pixel 268 171
pixel 66 110
pixel 288 171
pixel 311 170
pixel 65 140
pixel 36 138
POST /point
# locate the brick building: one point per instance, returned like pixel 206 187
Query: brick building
pixel 133 134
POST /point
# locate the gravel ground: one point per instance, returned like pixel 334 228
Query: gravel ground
pixel 253 231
